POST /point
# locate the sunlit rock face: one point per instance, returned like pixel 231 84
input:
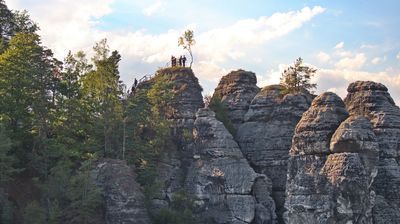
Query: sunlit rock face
pixel 124 199
pixel 225 187
pixel 236 90
pixel 373 101
pixel 332 165
pixel 266 134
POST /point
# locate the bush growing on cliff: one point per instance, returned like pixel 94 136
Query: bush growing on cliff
pixel 180 212
pixel 297 78
pixel 221 113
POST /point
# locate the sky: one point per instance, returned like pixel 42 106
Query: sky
pixel 345 40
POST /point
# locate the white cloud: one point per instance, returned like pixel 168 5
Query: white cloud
pixel 339 45
pixel 368 46
pixel 351 63
pixel 154 8
pixel 66 25
pixel 337 80
pixel 69 25
pixel 398 56
pixel 323 57
pixel 376 60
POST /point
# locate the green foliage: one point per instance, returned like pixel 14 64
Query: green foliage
pixel 148 127
pixel 103 90
pixel 86 199
pixel 7 161
pixel 296 79
pixel 34 214
pixel 187 41
pixel 6 208
pixel 180 211
pixel 221 113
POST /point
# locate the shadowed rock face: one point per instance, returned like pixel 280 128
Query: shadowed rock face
pixel 332 166
pixel 173 163
pixel 372 100
pixel 236 90
pixel 266 134
pixel 225 187
pixel 124 200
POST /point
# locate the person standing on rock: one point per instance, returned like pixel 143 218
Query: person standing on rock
pixel 180 61
pixel 183 60
pixel 173 61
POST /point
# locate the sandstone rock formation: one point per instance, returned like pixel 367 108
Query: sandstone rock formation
pixel 236 90
pixel 124 200
pixel 225 187
pixel 266 134
pixel 188 99
pixel 332 166
pixel 372 100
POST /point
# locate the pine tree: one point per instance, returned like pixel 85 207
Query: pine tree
pixel 297 78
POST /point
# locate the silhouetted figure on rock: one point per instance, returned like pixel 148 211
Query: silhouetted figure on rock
pixel 180 61
pixel 173 61
pixel 183 60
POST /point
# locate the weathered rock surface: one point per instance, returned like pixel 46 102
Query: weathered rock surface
pixel 188 97
pixel 173 163
pixel 236 90
pixel 332 167
pixel 225 187
pixel 318 123
pixel 124 200
pixel 372 100
pixel 266 134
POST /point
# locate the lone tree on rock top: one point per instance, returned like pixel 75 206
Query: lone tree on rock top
pixel 297 78
pixel 187 41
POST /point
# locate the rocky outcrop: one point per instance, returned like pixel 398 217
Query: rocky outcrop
pixel 226 189
pixel 172 165
pixel 124 200
pixel 187 99
pixel 266 134
pixel 236 90
pixel 332 166
pixel 372 100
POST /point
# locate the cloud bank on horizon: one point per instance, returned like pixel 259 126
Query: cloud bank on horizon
pixel 345 41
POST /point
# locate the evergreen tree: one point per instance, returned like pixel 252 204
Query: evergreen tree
pixel 297 78
pixel 103 90
pixel 27 86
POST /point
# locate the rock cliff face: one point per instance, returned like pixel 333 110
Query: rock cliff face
pixel 332 166
pixel 124 200
pixel 225 187
pixel 265 136
pixel 372 100
pixel 173 163
pixel 294 159
pixel 236 90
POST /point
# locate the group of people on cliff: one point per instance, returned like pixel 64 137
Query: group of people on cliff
pixel 181 61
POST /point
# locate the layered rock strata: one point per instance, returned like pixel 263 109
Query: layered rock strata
pixel 373 101
pixel 225 187
pixel 332 166
pixel 124 199
pixel 266 134
pixel 236 90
